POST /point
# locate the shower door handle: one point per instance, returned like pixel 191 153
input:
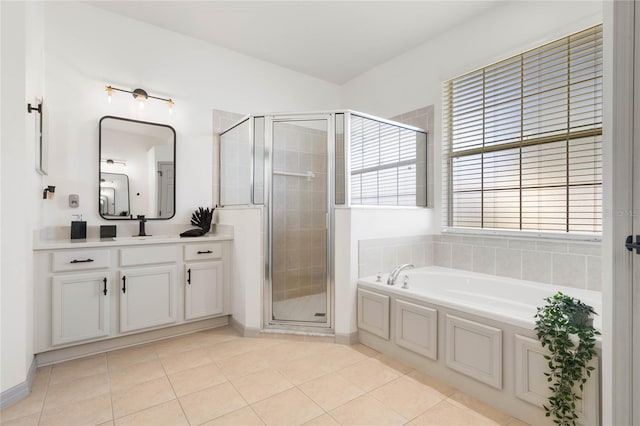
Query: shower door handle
pixel 630 245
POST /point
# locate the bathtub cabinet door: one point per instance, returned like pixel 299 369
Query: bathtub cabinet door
pixel 416 328
pixel 532 385
pixel 373 313
pixel 474 349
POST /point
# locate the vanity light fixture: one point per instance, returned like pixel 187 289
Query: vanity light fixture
pixel 140 95
pixel 111 161
pixel 114 166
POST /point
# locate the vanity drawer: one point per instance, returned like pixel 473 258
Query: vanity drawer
pixel 79 260
pixel 202 251
pixel 148 255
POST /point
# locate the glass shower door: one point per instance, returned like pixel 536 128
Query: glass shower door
pixel 299 208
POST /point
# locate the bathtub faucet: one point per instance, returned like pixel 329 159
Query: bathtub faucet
pixel 393 276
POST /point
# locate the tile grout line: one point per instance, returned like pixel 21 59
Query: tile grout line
pixel 184 413
pixel 113 415
pixel 46 392
pixel 243 398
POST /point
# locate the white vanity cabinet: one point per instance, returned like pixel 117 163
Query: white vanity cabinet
pixel 147 297
pixel 203 290
pixel 116 293
pixel 80 307
pixel 204 280
pixel 148 290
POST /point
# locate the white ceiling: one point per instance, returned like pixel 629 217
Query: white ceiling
pixel 331 40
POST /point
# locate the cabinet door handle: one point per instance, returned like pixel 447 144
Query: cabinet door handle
pixel 204 252
pixel 189 276
pixel 105 286
pixel 81 261
pixel 124 284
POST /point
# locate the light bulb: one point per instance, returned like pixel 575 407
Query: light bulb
pixel 109 91
pixel 170 103
pixel 141 103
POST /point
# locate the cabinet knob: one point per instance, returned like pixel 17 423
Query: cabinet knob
pixel 105 286
pixel 189 276
pixel 124 284
pixel 204 252
pixel 81 261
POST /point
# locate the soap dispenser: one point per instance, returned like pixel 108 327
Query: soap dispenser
pixel 78 228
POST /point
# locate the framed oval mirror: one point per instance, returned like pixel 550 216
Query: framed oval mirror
pixel 136 170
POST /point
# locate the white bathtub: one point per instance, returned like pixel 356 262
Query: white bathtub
pixel 502 299
pixel 474 332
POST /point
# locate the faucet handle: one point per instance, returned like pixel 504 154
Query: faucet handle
pixel 141 218
pixel 405 282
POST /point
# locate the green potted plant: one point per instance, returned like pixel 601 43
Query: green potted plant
pixel 565 327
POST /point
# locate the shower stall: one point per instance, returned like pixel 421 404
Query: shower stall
pixel 300 167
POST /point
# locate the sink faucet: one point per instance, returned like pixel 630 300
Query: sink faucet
pixel 142 221
pixel 396 271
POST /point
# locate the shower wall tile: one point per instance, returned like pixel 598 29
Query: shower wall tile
pixel 299 211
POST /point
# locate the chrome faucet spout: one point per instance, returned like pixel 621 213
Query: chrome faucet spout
pixel 393 276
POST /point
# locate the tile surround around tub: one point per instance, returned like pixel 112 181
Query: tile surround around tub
pixel 567 263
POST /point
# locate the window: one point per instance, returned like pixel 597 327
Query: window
pixel 388 164
pixel 523 140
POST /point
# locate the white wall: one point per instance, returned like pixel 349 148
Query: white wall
pixel 414 79
pixel 353 225
pixel 20 186
pixel 248 264
pixel 87 48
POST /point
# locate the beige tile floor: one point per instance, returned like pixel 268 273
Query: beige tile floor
pixel 217 378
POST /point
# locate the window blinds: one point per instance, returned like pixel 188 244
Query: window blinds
pixel 388 164
pixel 523 140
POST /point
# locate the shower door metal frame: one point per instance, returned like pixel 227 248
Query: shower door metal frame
pixel 269 322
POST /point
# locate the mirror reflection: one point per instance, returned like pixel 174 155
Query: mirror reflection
pixel 137 169
pixel 114 194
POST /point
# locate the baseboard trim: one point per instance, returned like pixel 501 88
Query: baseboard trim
pixel 79 351
pixel 21 390
pixel 347 338
pixel 242 330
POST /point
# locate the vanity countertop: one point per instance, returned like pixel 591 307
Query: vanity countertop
pixel 53 244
